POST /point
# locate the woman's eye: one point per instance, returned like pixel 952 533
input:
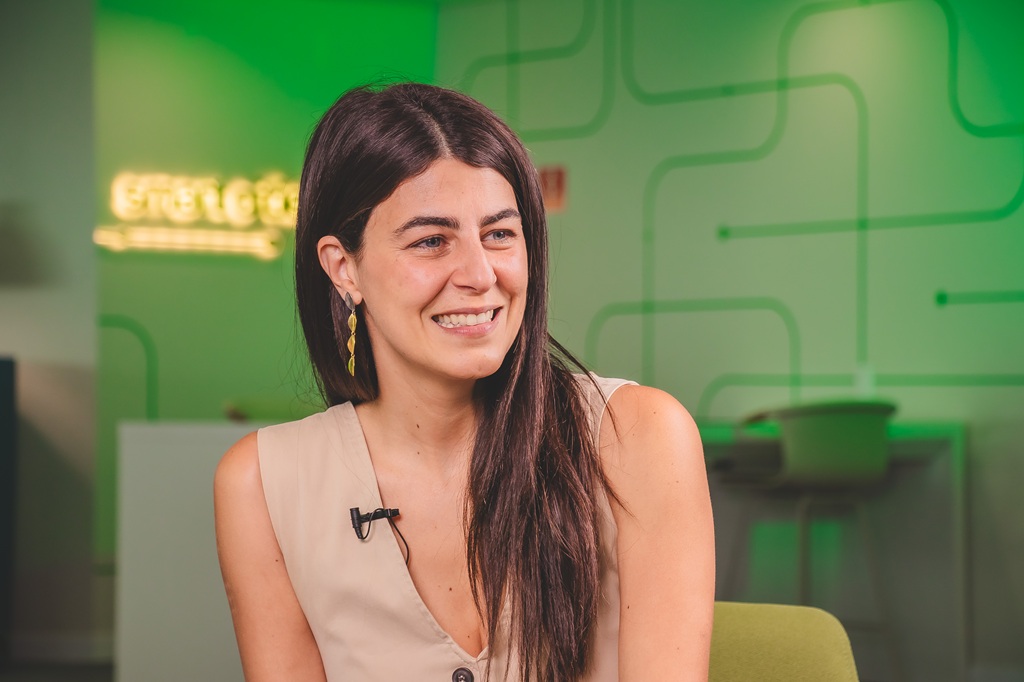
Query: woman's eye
pixel 500 235
pixel 430 242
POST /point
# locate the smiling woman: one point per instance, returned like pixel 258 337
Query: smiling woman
pixel 544 525
pixel 444 260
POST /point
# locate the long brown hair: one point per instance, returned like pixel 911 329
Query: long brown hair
pixel 532 536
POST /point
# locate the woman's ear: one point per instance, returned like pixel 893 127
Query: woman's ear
pixel 340 266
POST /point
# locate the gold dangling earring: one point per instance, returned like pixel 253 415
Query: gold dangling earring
pixel 352 321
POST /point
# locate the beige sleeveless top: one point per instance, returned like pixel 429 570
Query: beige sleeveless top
pixel 365 613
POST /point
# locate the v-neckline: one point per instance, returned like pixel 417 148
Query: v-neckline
pixel 396 558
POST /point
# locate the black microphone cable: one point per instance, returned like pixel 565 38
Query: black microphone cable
pixel 379 513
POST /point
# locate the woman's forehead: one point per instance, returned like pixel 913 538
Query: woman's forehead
pixel 448 188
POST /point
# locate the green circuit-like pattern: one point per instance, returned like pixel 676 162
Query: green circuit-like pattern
pixel 609 44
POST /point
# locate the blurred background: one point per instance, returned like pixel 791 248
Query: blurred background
pixel 751 204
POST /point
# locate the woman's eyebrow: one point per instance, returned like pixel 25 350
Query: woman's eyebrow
pixel 500 215
pixel 451 223
pixel 427 220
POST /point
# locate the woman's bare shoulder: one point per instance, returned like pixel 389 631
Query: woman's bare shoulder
pixel 239 467
pixel 650 425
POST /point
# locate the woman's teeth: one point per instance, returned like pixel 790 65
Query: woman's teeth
pixel 471 320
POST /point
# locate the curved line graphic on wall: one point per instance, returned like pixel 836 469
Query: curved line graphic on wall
pixel 987 215
pixel 647 308
pixel 512 59
pixel 506 59
pixel 148 344
pixel 1008 129
pixel 862 223
pixel 725 90
pixel 653 98
pixel 653 185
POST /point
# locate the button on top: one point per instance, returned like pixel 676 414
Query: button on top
pixel 462 675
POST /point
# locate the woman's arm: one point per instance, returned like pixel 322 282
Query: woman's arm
pixel 653 459
pixel 274 638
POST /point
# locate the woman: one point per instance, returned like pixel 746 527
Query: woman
pixel 533 532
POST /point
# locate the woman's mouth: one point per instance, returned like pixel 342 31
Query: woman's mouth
pixel 465 320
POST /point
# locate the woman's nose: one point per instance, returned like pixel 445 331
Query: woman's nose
pixel 474 269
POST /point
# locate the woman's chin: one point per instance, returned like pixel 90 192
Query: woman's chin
pixel 481 369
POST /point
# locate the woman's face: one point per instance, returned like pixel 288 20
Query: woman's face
pixel 442 274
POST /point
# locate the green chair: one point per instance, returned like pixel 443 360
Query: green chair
pixel 774 643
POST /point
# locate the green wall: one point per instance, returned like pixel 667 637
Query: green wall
pixel 224 90
pixel 787 200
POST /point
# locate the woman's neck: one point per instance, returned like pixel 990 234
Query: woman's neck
pixel 432 422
